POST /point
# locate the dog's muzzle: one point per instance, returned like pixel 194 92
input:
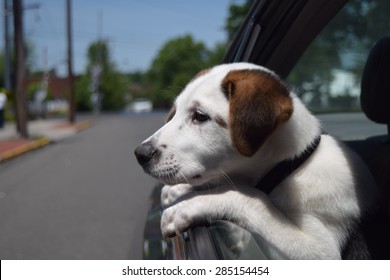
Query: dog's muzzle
pixel 146 153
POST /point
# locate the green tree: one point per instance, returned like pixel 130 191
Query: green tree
pixel 176 63
pixel 83 94
pixel 343 44
pixel 111 86
pixel 215 55
pixel 237 13
pixel 113 89
pixel 139 85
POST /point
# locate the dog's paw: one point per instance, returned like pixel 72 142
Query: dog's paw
pixel 170 194
pixel 180 217
pixel 174 220
pixel 198 208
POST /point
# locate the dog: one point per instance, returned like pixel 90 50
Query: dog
pixel 234 129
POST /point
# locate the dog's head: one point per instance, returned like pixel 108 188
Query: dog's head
pixel 225 112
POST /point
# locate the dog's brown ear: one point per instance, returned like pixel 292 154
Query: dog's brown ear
pixel 258 103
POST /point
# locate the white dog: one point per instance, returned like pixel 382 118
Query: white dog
pixel 238 145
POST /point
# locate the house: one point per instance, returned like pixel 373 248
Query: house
pixel 56 99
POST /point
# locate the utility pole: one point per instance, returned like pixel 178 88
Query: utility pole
pixel 7 55
pixel 21 102
pixel 72 105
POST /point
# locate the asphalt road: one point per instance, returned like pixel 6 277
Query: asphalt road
pixel 351 126
pixel 82 198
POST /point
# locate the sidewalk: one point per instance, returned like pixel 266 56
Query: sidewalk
pixel 41 132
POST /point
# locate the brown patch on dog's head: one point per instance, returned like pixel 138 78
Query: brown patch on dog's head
pixel 258 103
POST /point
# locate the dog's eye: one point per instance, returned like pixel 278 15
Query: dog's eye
pixel 199 116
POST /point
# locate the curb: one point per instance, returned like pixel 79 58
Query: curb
pixel 38 143
pixel 77 127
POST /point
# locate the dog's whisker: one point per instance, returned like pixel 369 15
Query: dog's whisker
pixel 173 92
pixel 183 176
pixel 228 180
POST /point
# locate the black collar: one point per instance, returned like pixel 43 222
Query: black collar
pixel 284 168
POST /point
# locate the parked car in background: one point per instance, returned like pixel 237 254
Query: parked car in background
pixel 141 105
pixel 320 47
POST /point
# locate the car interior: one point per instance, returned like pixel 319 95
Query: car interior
pixel 375 151
pixel 374 100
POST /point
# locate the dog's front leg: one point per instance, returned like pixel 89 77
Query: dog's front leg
pixel 253 210
pixel 196 208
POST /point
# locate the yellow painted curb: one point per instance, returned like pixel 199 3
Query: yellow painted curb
pixel 24 149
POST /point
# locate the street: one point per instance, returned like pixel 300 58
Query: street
pixel 82 198
pixel 351 126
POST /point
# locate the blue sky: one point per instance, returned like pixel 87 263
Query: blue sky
pixel 135 29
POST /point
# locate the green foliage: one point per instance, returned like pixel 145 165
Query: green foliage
pixel 83 96
pixel 176 63
pixel 32 90
pixel 113 89
pixel 236 16
pixel 215 56
pixel 343 44
pixel 99 54
pixel 112 84
pixel 313 72
pixel 139 86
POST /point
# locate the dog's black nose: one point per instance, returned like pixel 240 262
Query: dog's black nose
pixel 145 153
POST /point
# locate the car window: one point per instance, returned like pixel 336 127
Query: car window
pixel 234 242
pixel 327 77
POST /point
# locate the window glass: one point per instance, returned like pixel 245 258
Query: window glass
pixel 327 77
